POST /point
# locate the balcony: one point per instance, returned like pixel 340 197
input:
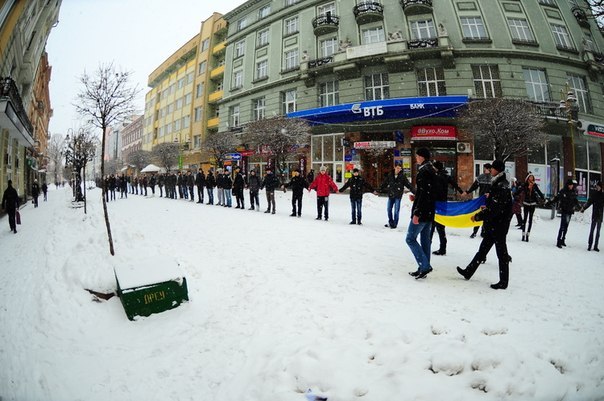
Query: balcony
pixel 413 7
pixel 219 48
pixel 217 72
pixel 319 62
pixel 580 16
pixel 215 96
pixel 423 43
pixel 13 115
pixel 325 23
pixel 213 122
pixel 369 11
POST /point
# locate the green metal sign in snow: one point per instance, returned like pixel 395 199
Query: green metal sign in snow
pixel 150 286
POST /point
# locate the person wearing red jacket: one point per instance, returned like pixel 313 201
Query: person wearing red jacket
pixel 323 184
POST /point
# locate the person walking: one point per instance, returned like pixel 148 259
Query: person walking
pixel 270 183
pixel 210 184
pixel 323 184
pixel 596 198
pixel 422 214
pixel 200 182
pixel 238 186
pixel 254 183
pixel 35 192
pixel 227 187
pixel 517 204
pixel 567 204
pixel 45 191
pixel 497 215
pixel 532 197
pixel 298 184
pixel 482 183
pixel 357 184
pixel 10 203
pixel 443 181
pixel 395 185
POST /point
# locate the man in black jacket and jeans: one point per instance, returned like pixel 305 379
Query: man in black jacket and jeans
pixel 357 184
pixel 395 186
pixel 496 215
pixel 568 202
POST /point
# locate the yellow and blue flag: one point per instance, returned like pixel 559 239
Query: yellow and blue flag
pixel 458 214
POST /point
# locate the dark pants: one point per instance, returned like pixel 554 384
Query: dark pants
pixel 297 204
pixel 200 193
pixel 11 219
pixel 323 201
pixel 35 201
pixel 161 191
pixel 595 226
pixel 239 198
pixel 355 209
pixel 270 199
pixel 564 221
pixel 210 195
pixel 191 192
pixel 254 200
pixel 442 235
pixel 499 240
pixel 529 210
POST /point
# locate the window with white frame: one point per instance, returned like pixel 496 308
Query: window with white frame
pixel 473 28
pixel 238 79
pixel 198 113
pixel 291 59
pixel 323 9
pixel 264 12
pixel 186 121
pixel 188 98
pixel 262 39
pixel 548 2
pixel 262 69
pixel 290 2
pixel 205 45
pixel 202 67
pixel 239 48
pixel 234 116
pixel 520 30
pixel 537 87
pixel 179 103
pixel 329 93
pixel 376 87
pixel 486 81
pixel 561 37
pixel 290 25
pixel 197 141
pixel 199 90
pixel 181 82
pixel 289 98
pixel 373 35
pixel 177 125
pixel 189 78
pixel 431 82
pixel 589 43
pixel 578 85
pixel 422 29
pixel 328 47
pixel 241 24
pixel 259 108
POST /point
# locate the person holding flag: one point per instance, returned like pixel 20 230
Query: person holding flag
pixel 443 181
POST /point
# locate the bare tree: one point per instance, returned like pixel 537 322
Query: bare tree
pixel 106 98
pixel 166 154
pixel 219 144
pixel 597 10
pixel 280 135
pixel 139 158
pixel 55 155
pixel 504 127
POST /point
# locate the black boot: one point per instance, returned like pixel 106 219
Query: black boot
pixel 353 222
pixel 559 244
pixel 504 274
pixel 440 252
pixel 563 241
pixel 463 272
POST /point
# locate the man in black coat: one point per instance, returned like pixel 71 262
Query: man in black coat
pixel 443 181
pixel 496 216
pixel 200 182
pixel 270 183
pixel 238 186
pixel 35 192
pixel 357 186
pixel 298 184
pixel 210 184
pixel 596 198
pixel 567 204
pixel 395 185
pixel 10 203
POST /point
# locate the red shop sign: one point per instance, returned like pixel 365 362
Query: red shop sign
pixel 434 132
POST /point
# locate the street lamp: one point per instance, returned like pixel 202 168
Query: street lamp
pixel 570 107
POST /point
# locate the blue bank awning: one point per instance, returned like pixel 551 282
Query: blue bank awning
pixel 388 109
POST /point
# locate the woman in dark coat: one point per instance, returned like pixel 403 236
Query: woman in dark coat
pixel 10 203
pixel 567 204
pixel 532 197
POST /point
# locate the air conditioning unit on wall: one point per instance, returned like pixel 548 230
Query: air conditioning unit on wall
pixel 463 147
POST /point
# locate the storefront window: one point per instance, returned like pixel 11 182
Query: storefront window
pixel 328 147
pixel 581 153
pixel 595 157
pixel 317 148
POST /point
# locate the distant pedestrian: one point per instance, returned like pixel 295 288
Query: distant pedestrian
pixel 270 183
pixel 323 184
pixel 45 191
pixel 596 198
pixel 200 182
pixel 35 192
pixel 254 183
pixel 443 182
pixel 220 187
pixel 298 184
pixel 567 204
pixel 238 186
pixel 227 188
pixel 394 186
pixel 10 203
pixel 210 184
pixel 357 185
pixel 517 205
pixel 482 183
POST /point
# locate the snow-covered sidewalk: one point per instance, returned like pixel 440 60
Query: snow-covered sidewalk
pixel 280 305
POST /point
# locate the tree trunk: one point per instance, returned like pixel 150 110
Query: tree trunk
pixel 104 193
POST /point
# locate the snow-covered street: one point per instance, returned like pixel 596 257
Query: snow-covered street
pixel 280 305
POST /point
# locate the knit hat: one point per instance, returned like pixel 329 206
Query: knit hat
pixel 323 168
pixel 498 165
pixel 355 170
pixel 423 152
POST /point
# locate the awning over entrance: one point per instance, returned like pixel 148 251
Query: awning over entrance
pixel 388 109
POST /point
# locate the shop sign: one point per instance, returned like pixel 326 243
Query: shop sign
pixel 595 130
pixel 232 156
pixel 433 133
pixel 374 145
pixel 247 152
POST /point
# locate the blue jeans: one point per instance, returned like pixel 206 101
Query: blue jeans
pixel 564 221
pixel 393 203
pixel 228 198
pixel 356 205
pixel 421 253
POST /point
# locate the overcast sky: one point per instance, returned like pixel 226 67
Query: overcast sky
pixel 136 35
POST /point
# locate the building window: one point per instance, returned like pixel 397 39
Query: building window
pixel 234 116
pixel 238 79
pixel 561 37
pixel 486 81
pixel 197 141
pixel 548 2
pixel 262 38
pixel 579 87
pixel 179 103
pixel 241 24
pixel 536 84
pixel 188 98
pixel 431 82
pixel 376 87
pixel 473 28
pixel 373 35
pixel 239 48
pixel 262 69
pixel 291 59
pixel 329 93
pixel 328 47
pixel 423 29
pixel 181 82
pixel 259 107
pixel 198 113
pixel 326 8
pixel 199 90
pixel 264 11
pixel 202 67
pixel 589 43
pixel 290 2
pixel 291 25
pixel 289 98
pixel 186 121
pixel 205 44
pixel 520 30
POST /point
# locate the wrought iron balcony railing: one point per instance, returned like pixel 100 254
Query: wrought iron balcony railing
pixel 8 89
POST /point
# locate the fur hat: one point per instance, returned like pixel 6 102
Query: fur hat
pixel 498 165
pixel 423 152
pixel 323 168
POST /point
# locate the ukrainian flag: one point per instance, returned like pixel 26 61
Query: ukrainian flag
pixel 457 214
